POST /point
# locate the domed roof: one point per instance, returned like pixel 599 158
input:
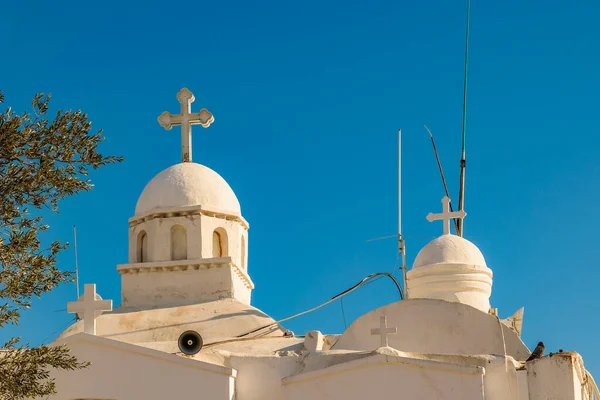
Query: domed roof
pixel 187 184
pixel 449 249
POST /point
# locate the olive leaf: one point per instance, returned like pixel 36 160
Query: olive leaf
pixel 42 161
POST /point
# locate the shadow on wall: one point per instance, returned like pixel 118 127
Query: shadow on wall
pixel 220 243
pixel 245 313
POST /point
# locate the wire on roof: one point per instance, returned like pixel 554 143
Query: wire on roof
pixel 334 298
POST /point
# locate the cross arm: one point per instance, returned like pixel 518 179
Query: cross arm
pixel 203 117
pixel 431 217
pixel 168 120
pixel 456 214
pixel 75 307
pixel 103 305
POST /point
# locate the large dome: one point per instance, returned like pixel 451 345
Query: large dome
pixel 188 184
pixel 449 249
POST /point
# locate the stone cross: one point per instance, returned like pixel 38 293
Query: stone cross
pixel 91 306
pixel 446 215
pixel 384 331
pixel 186 119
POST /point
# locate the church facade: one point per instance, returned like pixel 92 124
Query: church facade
pixel 186 329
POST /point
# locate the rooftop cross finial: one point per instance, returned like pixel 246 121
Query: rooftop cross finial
pixel 446 215
pixel 186 119
pixel 384 331
pixel 90 306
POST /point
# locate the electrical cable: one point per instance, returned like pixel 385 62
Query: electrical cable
pixel 62 328
pixel 463 158
pixel 343 313
pixel 439 163
pixel 334 298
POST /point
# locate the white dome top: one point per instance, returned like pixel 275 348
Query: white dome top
pixel 449 249
pixel 188 184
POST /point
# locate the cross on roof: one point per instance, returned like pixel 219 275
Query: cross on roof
pixel 384 331
pixel 186 119
pixel 91 306
pixel 446 215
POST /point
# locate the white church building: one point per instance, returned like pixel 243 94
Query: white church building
pixel 186 328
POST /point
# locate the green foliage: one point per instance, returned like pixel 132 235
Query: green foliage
pixel 42 161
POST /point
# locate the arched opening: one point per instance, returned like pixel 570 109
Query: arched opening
pixel 142 247
pixel 178 243
pixel 243 252
pixel 220 243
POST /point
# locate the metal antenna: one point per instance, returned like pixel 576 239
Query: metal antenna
pixel 76 265
pixel 401 243
pixel 399 236
pixel 463 159
pixel 437 157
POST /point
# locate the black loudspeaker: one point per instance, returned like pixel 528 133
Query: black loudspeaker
pixel 190 342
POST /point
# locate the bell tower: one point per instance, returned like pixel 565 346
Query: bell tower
pixel 188 241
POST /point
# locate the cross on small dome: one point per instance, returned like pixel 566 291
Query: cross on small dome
pixel 186 119
pixel 446 215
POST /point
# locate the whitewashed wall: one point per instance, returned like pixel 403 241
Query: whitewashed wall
pixel 120 372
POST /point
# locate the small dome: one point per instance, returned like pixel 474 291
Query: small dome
pixel 188 184
pixel 449 249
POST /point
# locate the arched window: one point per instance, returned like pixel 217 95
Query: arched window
pixel 220 243
pixel 142 247
pixel 243 253
pixel 178 243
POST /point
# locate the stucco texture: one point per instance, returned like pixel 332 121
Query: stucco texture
pixel 184 185
pixel 434 326
pixel 121 371
pixel 213 320
pixel 449 249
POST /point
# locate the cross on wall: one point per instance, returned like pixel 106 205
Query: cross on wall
pixel 90 307
pixel 186 119
pixel 383 331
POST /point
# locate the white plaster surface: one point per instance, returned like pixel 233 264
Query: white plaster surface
pixel 213 320
pixel 386 374
pixel 449 249
pixel 187 184
pixel 195 202
pixel 199 229
pixel 313 341
pixel 123 371
pixel 523 385
pixel 556 377
pixel 453 269
pixel 262 376
pixel 275 367
pixel 434 326
pixel 176 283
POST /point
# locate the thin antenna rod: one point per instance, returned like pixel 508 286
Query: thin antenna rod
pixel 401 243
pixel 399 183
pixel 463 159
pixel 437 157
pixel 76 262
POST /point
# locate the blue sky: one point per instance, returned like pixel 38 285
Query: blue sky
pixel 307 98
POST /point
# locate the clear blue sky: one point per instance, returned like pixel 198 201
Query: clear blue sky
pixel 307 98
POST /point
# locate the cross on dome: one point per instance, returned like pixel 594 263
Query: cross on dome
pixel 446 215
pixel 384 331
pixel 186 119
pixel 91 305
